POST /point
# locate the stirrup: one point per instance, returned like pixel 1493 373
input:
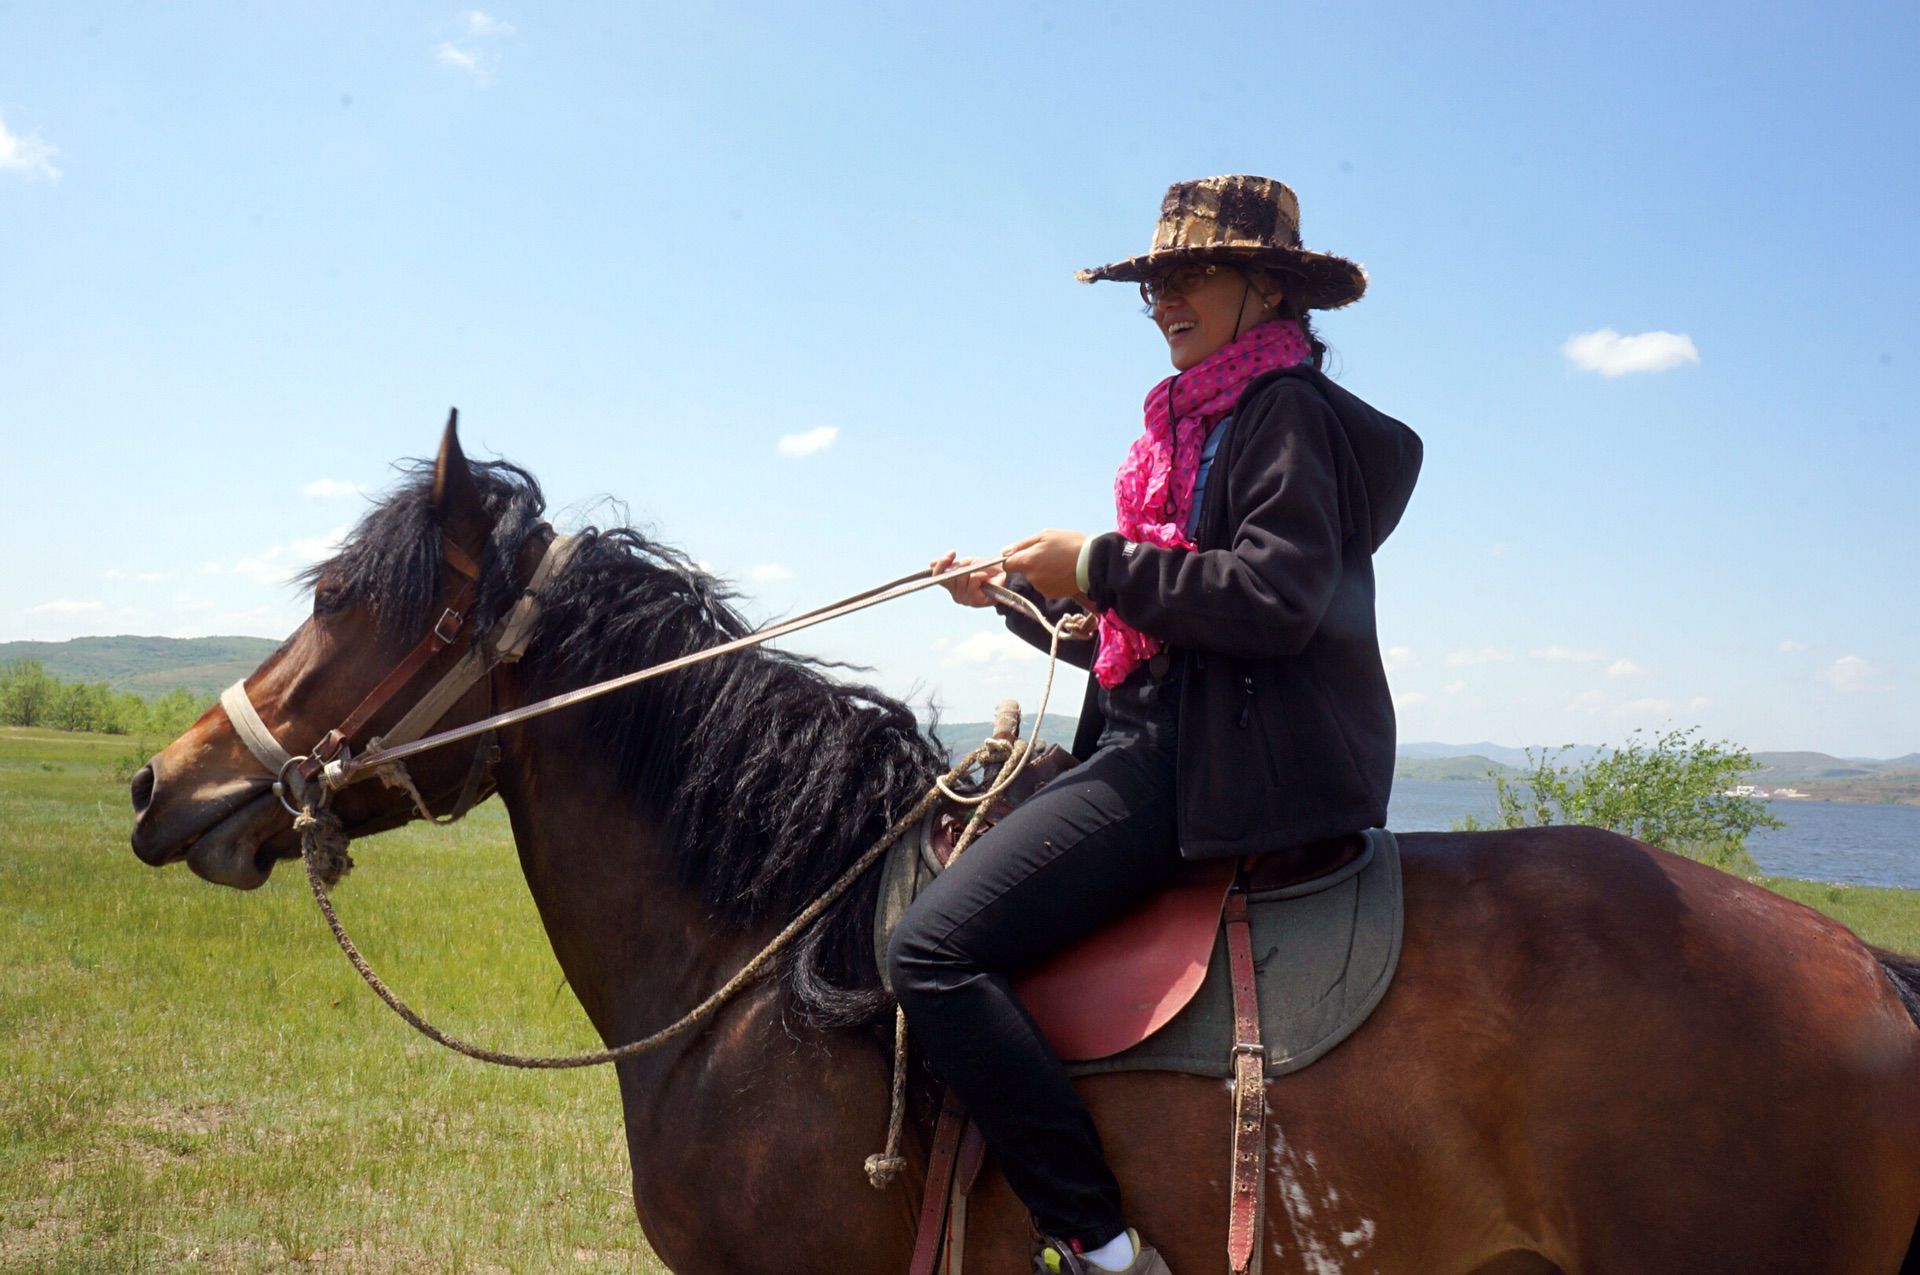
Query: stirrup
pixel 1056 1257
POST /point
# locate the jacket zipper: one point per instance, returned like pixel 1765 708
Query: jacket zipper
pixel 1246 703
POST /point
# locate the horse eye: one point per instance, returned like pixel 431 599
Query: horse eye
pixel 328 597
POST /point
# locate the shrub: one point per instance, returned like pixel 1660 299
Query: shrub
pixel 1671 791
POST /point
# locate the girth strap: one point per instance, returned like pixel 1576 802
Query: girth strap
pixel 933 1204
pixel 1249 1090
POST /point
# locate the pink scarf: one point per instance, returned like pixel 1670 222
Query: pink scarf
pixel 1153 492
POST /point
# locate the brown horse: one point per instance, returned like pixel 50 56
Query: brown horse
pixel 1597 1057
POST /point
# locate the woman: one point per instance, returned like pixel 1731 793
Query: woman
pixel 1238 705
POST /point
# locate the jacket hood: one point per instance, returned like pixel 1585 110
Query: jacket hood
pixel 1388 453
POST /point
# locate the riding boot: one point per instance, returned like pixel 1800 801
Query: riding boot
pixel 1056 1257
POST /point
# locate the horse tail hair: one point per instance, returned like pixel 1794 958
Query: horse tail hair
pixel 1904 973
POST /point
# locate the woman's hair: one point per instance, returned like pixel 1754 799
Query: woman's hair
pixel 1290 308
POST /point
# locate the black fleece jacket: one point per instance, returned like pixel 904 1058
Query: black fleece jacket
pixel 1286 726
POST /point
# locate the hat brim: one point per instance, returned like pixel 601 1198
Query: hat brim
pixel 1327 282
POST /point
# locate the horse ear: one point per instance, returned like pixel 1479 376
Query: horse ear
pixel 455 499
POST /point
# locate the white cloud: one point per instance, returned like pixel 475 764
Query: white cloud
pixel 313 548
pixel 137 577
pixel 1454 687
pixel 1400 657
pixel 770 573
pixel 1557 654
pixel 28 156
pixel 813 440
pixel 1849 674
pixel 1623 668
pixel 1789 645
pixel 469 52
pixel 1611 354
pixel 483 26
pixel 1499 549
pixel 1412 699
pixel 990 648
pixel 1590 701
pixel 450 54
pixel 1643 708
pixel 330 488
pixel 1485 655
pixel 65 606
pixel 278 564
pixel 1697 703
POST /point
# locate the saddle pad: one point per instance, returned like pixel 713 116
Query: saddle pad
pixel 1325 952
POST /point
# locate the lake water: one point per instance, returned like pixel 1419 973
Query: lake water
pixel 1822 840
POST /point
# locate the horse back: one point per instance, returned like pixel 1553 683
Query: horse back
pixel 1594 1052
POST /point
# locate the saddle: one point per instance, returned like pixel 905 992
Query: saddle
pixel 1325 918
pixel 1308 939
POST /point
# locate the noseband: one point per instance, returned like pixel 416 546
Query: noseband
pixel 328 761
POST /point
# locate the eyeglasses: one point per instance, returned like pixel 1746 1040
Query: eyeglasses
pixel 1171 283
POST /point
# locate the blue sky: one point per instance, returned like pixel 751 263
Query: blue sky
pixel 250 254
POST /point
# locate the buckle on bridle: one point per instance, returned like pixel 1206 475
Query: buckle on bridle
pixel 448 626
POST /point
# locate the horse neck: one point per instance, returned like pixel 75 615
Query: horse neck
pixel 635 943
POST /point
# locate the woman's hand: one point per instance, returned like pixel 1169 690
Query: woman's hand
pixel 1048 560
pixel 968 590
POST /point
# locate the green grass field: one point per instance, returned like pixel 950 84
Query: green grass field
pixel 190 1076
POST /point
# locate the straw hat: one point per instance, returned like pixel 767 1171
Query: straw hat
pixel 1239 220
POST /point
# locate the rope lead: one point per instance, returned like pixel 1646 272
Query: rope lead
pixel 323 849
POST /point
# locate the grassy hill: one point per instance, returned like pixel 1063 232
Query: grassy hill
pixel 961 738
pixel 1471 767
pixel 147 665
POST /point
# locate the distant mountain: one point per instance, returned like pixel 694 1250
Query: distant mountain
pixel 1800 767
pixel 148 665
pixel 1501 753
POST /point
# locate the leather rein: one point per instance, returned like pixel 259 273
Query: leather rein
pixel 312 777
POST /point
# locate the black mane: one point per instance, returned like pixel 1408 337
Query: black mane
pixel 773 776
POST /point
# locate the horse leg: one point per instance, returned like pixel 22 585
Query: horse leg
pixel 747 1151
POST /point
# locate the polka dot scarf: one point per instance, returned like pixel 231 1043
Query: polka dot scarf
pixel 1153 492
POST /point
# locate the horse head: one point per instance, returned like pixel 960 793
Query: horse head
pixel 208 797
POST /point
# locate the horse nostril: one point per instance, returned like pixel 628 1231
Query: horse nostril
pixel 142 791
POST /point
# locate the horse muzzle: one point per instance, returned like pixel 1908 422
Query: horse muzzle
pixel 223 830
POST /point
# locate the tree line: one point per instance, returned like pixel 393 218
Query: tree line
pixel 31 696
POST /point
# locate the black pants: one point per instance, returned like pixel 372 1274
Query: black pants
pixel 1089 847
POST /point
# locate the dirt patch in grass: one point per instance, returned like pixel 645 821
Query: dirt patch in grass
pixel 198 1121
pixel 34 1233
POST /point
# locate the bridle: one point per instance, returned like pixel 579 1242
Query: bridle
pixel 311 778
pixel 329 765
